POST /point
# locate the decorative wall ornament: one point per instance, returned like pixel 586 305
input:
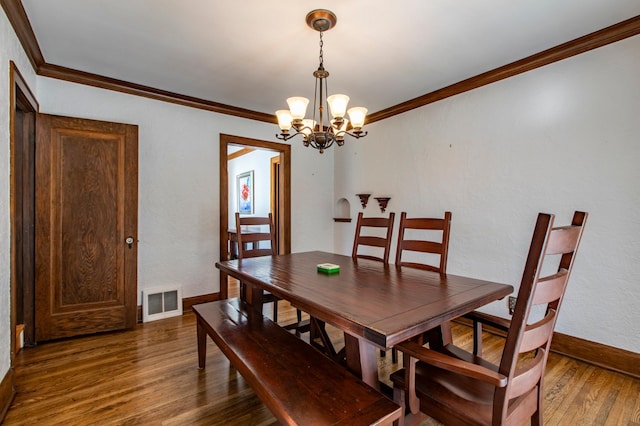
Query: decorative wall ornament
pixel 364 199
pixel 382 202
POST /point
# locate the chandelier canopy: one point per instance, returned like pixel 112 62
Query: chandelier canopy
pixel 319 131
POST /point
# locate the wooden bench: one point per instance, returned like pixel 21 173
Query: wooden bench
pixel 296 382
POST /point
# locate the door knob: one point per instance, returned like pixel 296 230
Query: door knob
pixel 129 241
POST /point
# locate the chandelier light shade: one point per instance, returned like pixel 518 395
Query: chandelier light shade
pixel 320 132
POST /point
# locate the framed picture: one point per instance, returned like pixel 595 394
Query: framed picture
pixel 245 192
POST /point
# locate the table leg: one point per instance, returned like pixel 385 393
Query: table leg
pixel 317 330
pixel 202 345
pixel 362 359
pixel 439 337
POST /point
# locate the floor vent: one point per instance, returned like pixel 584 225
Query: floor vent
pixel 161 302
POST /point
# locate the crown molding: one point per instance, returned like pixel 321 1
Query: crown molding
pixel 18 18
pixel 21 25
pixel 612 34
pixel 89 79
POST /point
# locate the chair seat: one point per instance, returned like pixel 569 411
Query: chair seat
pixel 268 297
pixel 471 400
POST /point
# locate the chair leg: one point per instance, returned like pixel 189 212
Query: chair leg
pixel 299 317
pixel 477 338
pixel 394 355
pixel 243 291
pixel 536 418
pixel 275 311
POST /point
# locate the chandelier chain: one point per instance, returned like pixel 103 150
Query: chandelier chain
pixel 321 58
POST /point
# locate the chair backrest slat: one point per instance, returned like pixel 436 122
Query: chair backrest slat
pixel 372 241
pixel 536 335
pixel 422 246
pixel 253 237
pixel 425 222
pixel 526 378
pixel 550 288
pixel 563 239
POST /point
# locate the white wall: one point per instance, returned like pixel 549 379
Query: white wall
pixel 179 181
pixel 10 50
pixel 559 138
pixel 260 162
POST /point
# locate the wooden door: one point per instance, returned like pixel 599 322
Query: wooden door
pixel 86 226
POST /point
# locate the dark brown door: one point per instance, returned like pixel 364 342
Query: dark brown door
pixel 86 226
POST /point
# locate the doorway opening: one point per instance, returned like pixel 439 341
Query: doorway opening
pixel 280 192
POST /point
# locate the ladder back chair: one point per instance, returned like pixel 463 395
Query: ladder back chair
pixel 368 240
pixel 432 248
pixel 374 228
pixel 456 387
pixel 439 247
pixel 252 234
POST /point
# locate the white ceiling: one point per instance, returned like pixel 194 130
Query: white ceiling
pixel 254 53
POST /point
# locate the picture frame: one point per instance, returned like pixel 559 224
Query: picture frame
pixel 244 192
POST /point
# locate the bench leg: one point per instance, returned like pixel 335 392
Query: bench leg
pixel 224 286
pixel 202 345
pixel 254 296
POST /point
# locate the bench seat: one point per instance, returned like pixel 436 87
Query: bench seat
pixel 296 382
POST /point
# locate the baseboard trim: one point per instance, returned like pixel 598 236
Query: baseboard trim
pixel 601 355
pixel 7 393
pixel 188 302
pixel 604 356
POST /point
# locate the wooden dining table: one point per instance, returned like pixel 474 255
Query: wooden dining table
pixel 376 305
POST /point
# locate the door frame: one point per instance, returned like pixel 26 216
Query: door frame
pixel 20 98
pixel 276 199
pixel 285 203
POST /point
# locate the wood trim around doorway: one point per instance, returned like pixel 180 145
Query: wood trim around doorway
pixel 285 214
pixel 20 98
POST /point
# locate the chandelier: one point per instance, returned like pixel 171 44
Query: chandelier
pixel 319 131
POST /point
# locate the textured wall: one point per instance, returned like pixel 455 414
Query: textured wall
pixel 10 50
pixel 559 138
pixel 179 181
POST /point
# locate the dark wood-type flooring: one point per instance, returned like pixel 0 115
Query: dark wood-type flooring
pixel 150 376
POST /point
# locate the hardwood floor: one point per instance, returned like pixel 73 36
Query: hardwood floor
pixel 150 376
